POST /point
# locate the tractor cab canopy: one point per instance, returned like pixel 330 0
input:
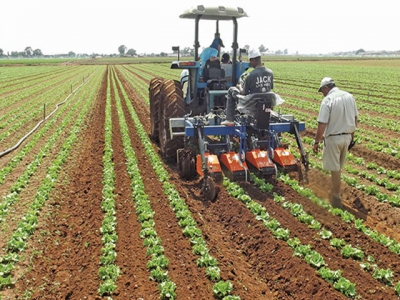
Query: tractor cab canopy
pixel 215 13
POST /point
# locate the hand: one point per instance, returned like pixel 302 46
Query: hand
pixel 316 147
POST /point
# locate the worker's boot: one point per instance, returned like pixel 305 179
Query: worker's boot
pixel 335 201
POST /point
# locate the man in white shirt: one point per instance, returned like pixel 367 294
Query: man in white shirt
pixel 337 121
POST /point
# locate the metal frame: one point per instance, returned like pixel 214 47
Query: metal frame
pixel 187 127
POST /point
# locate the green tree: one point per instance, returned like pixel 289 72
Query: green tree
pixel 131 52
pixel 28 51
pixel 262 48
pixel 122 49
pixel 360 51
pixel 37 53
pixel 1 52
pixel 71 54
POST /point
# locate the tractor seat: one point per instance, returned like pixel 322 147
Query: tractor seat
pixel 213 73
pixel 258 106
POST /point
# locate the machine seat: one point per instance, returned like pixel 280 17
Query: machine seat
pixel 213 73
pixel 258 106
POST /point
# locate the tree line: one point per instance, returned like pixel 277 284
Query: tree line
pixel 29 52
pixel 122 50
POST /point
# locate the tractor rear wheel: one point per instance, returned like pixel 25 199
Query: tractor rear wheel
pixel 171 106
pixel 154 96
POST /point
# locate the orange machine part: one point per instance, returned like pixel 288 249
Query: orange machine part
pixel 284 157
pixel 232 162
pixel 212 164
pixel 259 159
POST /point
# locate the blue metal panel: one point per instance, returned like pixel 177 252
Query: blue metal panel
pixel 285 127
pixel 235 130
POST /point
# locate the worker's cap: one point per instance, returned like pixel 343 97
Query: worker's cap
pixel 217 42
pixel 221 42
pixel 253 53
pixel 325 81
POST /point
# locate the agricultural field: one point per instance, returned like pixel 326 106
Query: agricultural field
pixel 89 210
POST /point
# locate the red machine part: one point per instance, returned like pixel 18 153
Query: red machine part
pixel 231 161
pixel 213 165
pixel 284 157
pixel 259 159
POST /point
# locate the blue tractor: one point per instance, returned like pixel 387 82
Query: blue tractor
pixel 186 115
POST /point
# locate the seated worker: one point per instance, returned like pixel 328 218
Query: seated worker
pixel 259 80
pixel 226 64
pixel 211 53
pixel 226 59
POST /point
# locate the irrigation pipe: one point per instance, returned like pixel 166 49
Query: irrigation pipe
pixel 40 122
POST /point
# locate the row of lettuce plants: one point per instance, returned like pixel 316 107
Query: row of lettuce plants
pixel 140 86
pixel 392 244
pixel 31 144
pixel 307 75
pixel 378 142
pixel 395 174
pixel 347 250
pixel 386 182
pixel 363 102
pixel 384 275
pixel 162 70
pixel 373 121
pixel 221 289
pixel 19 239
pixel 34 110
pixel 23 180
pixel 17 118
pixel 304 251
pixel 393 199
pixel 108 271
pixel 373 190
pixel 13 90
pixel 25 76
pixel 34 87
pixel 158 263
pixel 369 139
pixel 144 72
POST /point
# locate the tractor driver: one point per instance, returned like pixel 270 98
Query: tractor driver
pixel 211 53
pixel 260 80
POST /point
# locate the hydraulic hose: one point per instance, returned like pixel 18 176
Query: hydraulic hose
pixel 40 122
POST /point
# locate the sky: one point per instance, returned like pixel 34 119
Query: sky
pixel 154 26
